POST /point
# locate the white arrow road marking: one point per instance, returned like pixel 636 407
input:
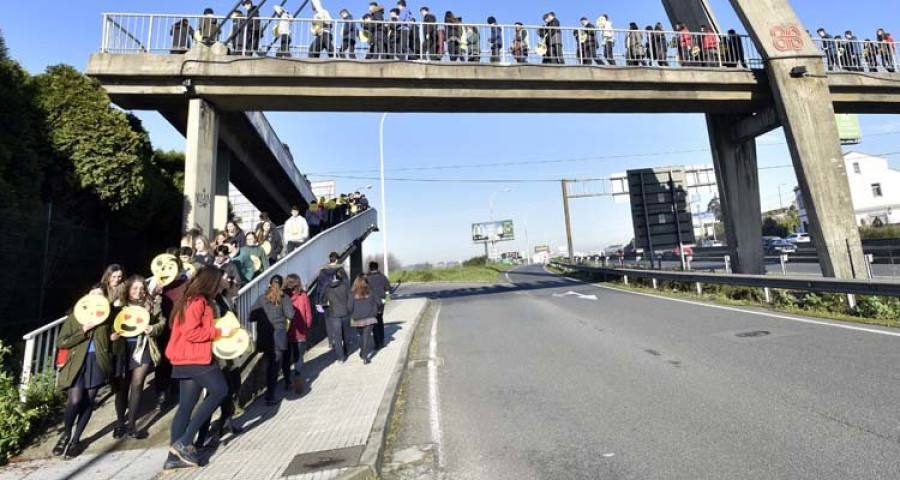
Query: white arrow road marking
pixel 569 293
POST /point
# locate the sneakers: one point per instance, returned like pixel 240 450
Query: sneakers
pixel 73 450
pixel 185 453
pixel 298 386
pixel 173 462
pixel 137 434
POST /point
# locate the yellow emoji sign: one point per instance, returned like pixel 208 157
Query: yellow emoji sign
pixel 91 310
pixel 131 321
pixel 165 268
pixel 257 263
pixel 190 270
pixel 229 348
pixel 228 321
pixel 267 247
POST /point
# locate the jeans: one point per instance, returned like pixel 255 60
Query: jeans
pixel 226 408
pixel 337 335
pixel 184 428
pixel 276 360
pixel 365 335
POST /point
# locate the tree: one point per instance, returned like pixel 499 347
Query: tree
pixel 394 263
pixel 715 206
pixel 4 53
pixel 771 227
pixel 96 147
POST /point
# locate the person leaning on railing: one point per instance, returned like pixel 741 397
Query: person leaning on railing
pixel 88 366
pixel 182 33
pixel 209 28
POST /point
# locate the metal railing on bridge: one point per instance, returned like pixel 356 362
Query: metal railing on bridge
pixel 305 261
pixel 842 55
pixel 429 42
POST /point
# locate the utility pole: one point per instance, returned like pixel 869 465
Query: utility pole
pixel 565 195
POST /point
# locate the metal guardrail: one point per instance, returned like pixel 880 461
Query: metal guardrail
pixel 767 282
pixel 305 261
pixel 303 37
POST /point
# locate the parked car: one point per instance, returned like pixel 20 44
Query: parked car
pixel 796 238
pixel 780 246
pixel 675 253
pixel 766 241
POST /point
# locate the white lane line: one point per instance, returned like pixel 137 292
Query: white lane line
pixel 738 310
pixel 434 395
pixel 750 312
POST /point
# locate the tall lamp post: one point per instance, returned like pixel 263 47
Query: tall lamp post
pixel 387 269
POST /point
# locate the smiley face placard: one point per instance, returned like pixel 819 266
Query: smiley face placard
pixel 190 270
pixel 229 348
pixel 267 247
pixel 91 310
pixel 257 263
pixel 228 321
pixel 165 268
pixel 131 321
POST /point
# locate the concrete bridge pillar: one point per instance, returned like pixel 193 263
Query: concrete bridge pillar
pixel 200 162
pixel 737 175
pixel 356 261
pixel 802 99
pixel 223 175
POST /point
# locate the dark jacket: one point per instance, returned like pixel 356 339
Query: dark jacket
pixel 73 337
pixel 379 285
pixel 348 30
pixel 275 241
pixel 337 298
pixel 326 273
pixel 362 308
pixel 429 27
pixel 496 37
pixel 271 322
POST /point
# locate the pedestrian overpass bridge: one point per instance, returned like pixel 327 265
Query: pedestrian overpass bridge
pixel 746 85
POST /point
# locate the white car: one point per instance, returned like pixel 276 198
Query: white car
pixel 796 238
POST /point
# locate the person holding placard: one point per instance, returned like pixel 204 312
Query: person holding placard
pixel 86 354
pixel 190 352
pixel 139 321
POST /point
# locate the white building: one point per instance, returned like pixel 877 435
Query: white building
pixel 874 189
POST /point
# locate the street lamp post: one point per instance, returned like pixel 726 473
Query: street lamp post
pixel 387 268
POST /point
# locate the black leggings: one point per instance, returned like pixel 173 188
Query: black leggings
pixel 129 390
pixel 276 360
pixel 184 428
pixel 80 405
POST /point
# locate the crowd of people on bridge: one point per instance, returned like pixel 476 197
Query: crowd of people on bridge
pixel 176 340
pixel 396 33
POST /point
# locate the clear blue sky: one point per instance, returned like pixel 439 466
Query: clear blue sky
pixel 431 221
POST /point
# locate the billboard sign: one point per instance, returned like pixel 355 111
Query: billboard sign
pixel 541 249
pixel 660 208
pixel 501 231
pixel 848 128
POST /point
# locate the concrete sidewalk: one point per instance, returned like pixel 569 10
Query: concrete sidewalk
pixel 319 436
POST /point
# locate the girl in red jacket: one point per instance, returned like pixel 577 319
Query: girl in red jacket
pixel 300 325
pixel 190 351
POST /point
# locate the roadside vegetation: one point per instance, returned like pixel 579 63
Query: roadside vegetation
pixel 472 270
pixel 871 310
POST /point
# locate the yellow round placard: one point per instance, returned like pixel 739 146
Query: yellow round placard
pixel 190 270
pixel 229 320
pixel 257 263
pixel 91 310
pixel 131 321
pixel 229 348
pixel 165 268
pixel 267 247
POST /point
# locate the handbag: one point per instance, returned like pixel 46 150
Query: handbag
pixel 62 356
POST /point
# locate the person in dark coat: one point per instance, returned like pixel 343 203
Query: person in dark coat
pixel 380 286
pixel 268 233
pixel 272 313
pixel 735 50
pixel 336 302
pixel 253 32
pixel 454 35
pixel 429 33
pixel 830 47
pixel 182 33
pixel 348 36
pixel 587 42
pixel 553 34
pixel 377 32
pixel 88 366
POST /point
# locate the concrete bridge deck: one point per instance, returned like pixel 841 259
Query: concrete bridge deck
pixel 236 84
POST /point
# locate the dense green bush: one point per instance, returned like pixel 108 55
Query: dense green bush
pixel 18 419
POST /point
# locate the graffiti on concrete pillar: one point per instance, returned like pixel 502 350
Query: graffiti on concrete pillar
pixel 202 199
pixel 787 37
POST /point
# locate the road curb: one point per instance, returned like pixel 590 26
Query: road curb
pixel 370 462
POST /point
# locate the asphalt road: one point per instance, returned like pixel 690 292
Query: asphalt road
pixel 537 386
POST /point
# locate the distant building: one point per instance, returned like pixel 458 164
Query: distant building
pixel 874 189
pixel 242 209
